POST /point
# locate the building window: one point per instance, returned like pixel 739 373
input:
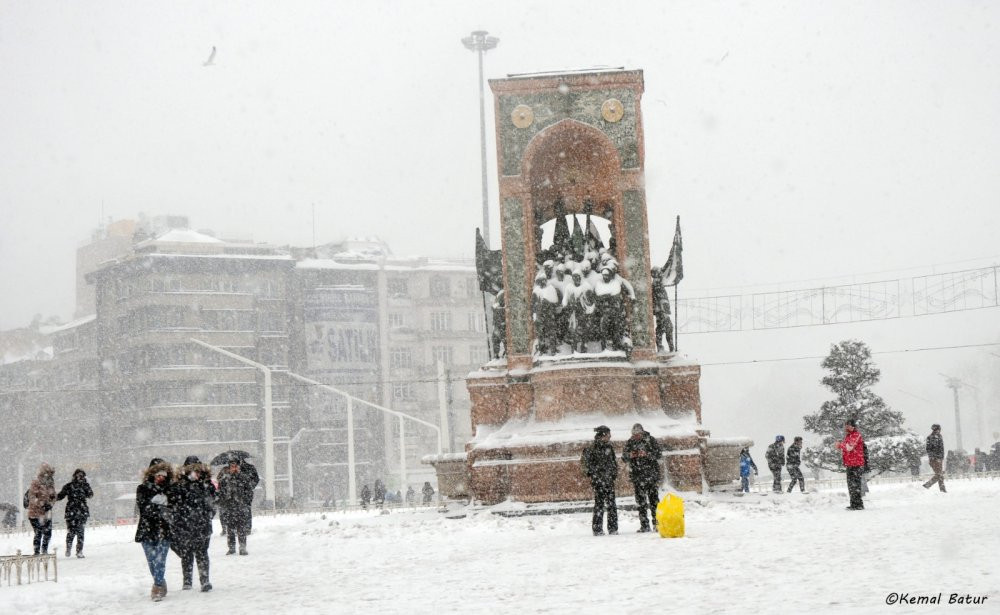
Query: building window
pixel 397 287
pixel 476 322
pixel 440 287
pixel 478 354
pixel 443 354
pixel 402 390
pixel 395 320
pixel 440 321
pixel 400 358
pixel 272 321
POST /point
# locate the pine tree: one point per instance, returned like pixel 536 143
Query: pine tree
pixel 852 374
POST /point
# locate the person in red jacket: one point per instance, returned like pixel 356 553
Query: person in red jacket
pixel 852 449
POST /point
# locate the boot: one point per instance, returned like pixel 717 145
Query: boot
pixel 206 587
pixel 243 550
pixel 67 551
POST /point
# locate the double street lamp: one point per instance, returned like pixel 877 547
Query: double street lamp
pixel 479 42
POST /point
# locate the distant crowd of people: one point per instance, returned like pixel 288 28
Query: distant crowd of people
pixel 379 497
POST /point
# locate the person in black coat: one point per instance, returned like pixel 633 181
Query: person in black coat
pixel 76 493
pixel 366 496
pixel 153 500
pixel 935 455
pixel 235 500
pixel 775 457
pixel 194 509
pixel 601 467
pixel 642 454
pixel 794 464
pixel 379 498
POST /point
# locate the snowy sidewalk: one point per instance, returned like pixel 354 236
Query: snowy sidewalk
pixel 795 553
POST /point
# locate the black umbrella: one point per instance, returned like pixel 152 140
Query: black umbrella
pixel 224 458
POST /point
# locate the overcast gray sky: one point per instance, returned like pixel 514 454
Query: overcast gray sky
pixel 796 140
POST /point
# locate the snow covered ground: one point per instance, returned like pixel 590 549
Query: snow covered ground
pixel 789 553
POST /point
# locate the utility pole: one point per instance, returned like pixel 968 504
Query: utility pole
pixel 481 43
pixel 954 384
pixel 268 418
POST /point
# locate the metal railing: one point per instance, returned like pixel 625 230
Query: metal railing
pixel 24 567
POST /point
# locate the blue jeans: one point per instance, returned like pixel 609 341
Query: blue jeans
pixel 745 483
pixel 156 557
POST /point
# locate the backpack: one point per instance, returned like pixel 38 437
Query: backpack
pixel 25 502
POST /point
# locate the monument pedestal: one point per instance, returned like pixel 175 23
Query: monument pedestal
pixel 532 426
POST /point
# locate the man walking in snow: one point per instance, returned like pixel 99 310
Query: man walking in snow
pixel 601 467
pixel 935 455
pixel 794 461
pixel 642 454
pixel 775 457
pixel 852 450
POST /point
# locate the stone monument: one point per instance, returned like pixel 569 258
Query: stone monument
pixel 570 153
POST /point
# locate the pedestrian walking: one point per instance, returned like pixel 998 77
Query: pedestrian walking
pixel 153 500
pixel 746 463
pixel 427 491
pixel 642 454
pixel 410 495
pixel 76 492
pixel 794 461
pixel 235 503
pixel 41 496
pixel 194 509
pixel 852 451
pixel 601 467
pixel 379 496
pixel 366 496
pixel 775 457
pixel 935 456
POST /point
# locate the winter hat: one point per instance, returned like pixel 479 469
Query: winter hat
pixel 540 276
pixel 798 438
pixel 155 461
pixel 779 438
pixel 191 460
pixel 637 428
pixel 935 427
pixel 79 473
pixel 602 429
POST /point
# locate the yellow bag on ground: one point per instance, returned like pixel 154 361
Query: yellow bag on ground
pixel 670 516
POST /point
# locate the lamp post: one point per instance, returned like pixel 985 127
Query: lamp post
pixel 268 417
pixel 480 43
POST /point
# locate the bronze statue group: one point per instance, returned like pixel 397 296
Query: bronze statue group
pixel 583 304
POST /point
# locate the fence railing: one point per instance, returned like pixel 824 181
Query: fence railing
pixel 27 567
pixel 763 482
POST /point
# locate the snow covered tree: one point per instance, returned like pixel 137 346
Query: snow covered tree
pixel 852 374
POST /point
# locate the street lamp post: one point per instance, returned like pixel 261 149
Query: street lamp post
pixel 480 43
pixel 268 417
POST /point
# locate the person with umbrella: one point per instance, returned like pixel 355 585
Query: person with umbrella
pixel 235 499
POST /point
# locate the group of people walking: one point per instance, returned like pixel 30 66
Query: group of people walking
pixel 40 498
pixel 378 497
pixel 176 508
pixel 599 463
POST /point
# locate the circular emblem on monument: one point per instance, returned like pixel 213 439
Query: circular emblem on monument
pixel 522 116
pixel 612 110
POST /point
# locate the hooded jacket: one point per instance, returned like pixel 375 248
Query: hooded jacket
pixel 194 505
pixel 76 492
pixel 42 493
pixel 154 517
pixel 599 463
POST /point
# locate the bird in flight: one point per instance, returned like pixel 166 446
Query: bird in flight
pixel 211 58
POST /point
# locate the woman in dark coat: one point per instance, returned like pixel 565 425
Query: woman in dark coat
pixel 76 493
pixel 153 500
pixel 194 509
